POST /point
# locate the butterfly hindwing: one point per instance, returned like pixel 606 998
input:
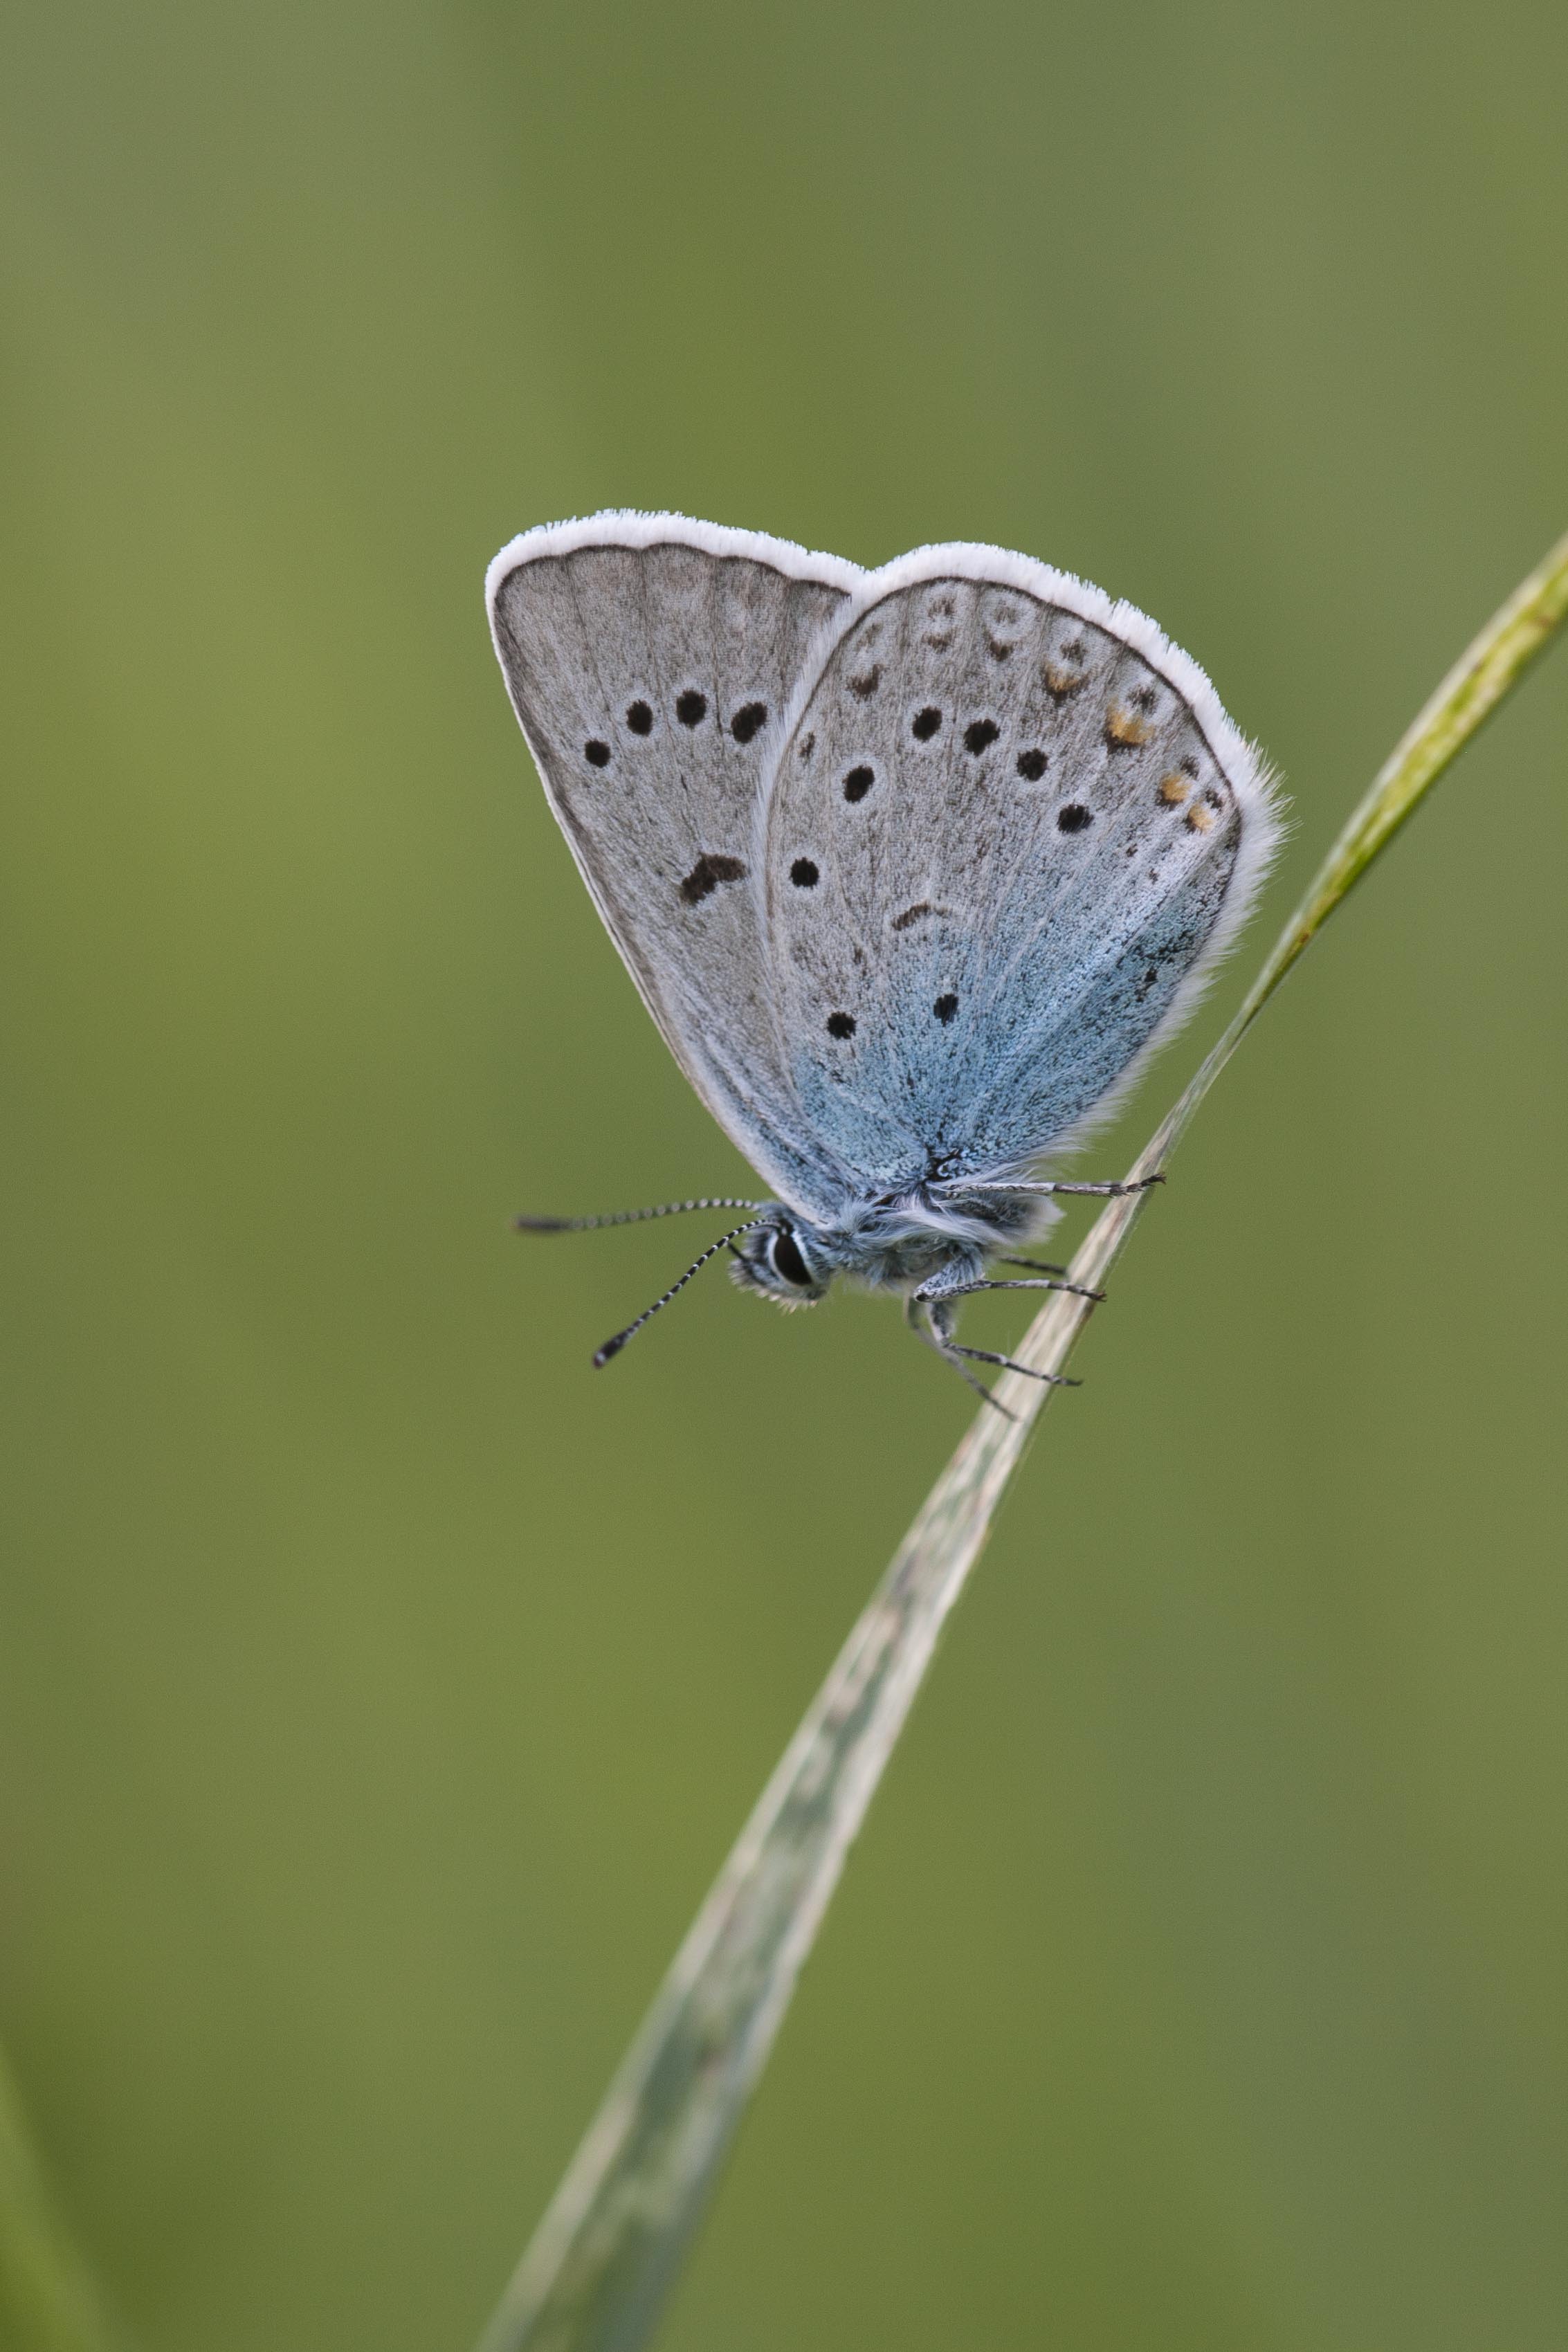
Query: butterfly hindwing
pixel 1008 829
pixel 649 660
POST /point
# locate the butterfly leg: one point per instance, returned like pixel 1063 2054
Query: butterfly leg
pixel 921 1319
pixel 1076 1288
pixel 937 1295
pixel 1010 1364
pixel 1099 1192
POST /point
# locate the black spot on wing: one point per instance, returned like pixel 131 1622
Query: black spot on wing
pixel 706 876
pixel 691 707
pixel 841 1025
pixel 858 782
pixel 639 717
pixel 748 719
pixel 596 753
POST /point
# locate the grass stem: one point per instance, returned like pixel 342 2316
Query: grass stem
pixel 596 2274
pixel 47 2303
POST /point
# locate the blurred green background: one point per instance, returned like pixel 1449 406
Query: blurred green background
pixel 380 1688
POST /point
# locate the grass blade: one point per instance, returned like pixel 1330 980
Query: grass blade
pixel 595 2275
pixel 47 2303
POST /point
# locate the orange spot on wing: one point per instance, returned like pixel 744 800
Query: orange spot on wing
pixel 1124 730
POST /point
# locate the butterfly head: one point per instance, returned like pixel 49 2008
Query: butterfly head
pixel 779 1260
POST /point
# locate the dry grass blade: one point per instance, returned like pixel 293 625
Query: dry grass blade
pixel 595 2277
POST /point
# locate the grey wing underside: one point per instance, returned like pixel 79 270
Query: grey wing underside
pixel 1002 844
pixel 650 674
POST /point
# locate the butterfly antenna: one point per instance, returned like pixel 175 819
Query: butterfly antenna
pixel 621 1217
pixel 613 1347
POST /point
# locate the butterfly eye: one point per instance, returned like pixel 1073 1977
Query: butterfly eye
pixel 787 1262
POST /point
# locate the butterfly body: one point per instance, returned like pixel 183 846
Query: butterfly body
pixel 912 868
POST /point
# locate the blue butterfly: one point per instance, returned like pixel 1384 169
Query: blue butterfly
pixel 912 868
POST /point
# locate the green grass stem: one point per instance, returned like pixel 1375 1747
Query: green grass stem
pixel 47 2301
pixel 596 2274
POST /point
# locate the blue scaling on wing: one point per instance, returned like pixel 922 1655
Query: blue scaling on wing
pixel 1009 831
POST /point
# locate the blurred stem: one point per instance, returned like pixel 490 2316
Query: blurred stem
pixel 596 2274
pixel 47 2303
pixel 1485 673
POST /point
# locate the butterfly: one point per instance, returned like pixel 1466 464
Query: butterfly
pixel 912 868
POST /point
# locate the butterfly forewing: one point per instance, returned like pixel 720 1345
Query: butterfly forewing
pixel 1001 837
pixel 648 662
